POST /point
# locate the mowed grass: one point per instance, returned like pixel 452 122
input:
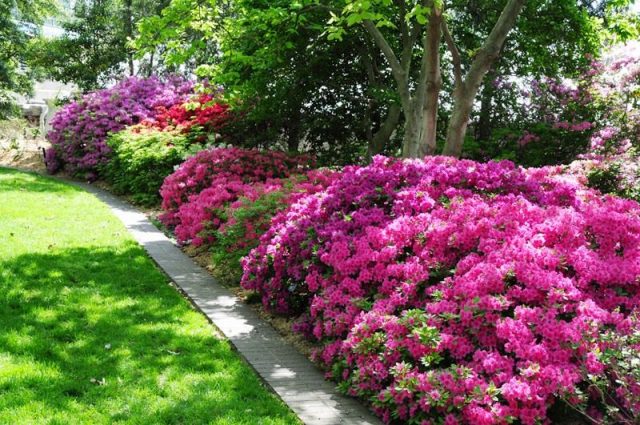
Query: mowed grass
pixel 92 333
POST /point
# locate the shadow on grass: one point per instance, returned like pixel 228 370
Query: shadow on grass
pixel 94 334
pixel 12 181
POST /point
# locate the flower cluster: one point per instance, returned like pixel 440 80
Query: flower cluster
pixel 79 129
pixel 473 292
pixel 195 196
pixel 202 115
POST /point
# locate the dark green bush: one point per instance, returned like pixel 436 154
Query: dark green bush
pixel 606 180
pixel 142 158
pixel 546 146
pixel 620 178
pixel 247 222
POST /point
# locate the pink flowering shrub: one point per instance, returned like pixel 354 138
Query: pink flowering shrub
pixel 472 292
pixel 79 130
pixel 250 216
pixel 196 195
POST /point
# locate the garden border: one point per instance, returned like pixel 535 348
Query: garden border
pixel 292 376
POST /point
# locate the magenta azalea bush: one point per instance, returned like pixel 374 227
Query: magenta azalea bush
pixel 249 217
pixel 450 291
pixel 79 130
pixel 195 196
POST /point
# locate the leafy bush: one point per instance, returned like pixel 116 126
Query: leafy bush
pixel 478 293
pixel 195 196
pixel 142 158
pixel 79 129
pixel 615 174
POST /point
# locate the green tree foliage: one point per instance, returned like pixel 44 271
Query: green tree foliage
pixel 93 50
pixel 318 73
pixel 290 86
pixel 298 89
pixel 20 20
pixel 183 35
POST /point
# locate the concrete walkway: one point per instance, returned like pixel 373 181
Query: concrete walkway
pixel 291 375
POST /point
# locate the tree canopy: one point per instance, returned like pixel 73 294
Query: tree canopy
pixel 93 50
pixel 20 20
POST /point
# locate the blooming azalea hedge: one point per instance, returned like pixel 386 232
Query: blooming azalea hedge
pixel 473 293
pixel 79 130
pixel 196 196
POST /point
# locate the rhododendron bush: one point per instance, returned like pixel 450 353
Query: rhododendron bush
pixel 79 129
pixel 611 164
pixel 199 117
pixel 195 196
pixel 250 216
pixel 453 291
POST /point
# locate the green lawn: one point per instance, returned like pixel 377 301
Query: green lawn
pixel 92 333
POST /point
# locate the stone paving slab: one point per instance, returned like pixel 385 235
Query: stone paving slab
pixel 289 374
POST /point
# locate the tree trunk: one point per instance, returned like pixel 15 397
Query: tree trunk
pixel 293 137
pixel 433 84
pixel 412 133
pixel 459 121
pixel 485 127
pixel 382 136
pixel 128 29
pixel 465 92
pixel 150 67
pixel 420 105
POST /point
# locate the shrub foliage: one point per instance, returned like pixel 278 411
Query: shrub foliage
pixel 142 158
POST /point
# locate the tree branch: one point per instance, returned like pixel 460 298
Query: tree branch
pixel 493 44
pixel 396 67
pixel 407 37
pixel 455 53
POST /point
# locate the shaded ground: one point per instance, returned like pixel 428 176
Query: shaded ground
pixel 92 333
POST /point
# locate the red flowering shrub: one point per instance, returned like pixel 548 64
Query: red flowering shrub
pixel 199 117
pixel 477 293
pixel 195 196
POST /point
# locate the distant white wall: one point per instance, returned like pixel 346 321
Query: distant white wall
pixel 46 93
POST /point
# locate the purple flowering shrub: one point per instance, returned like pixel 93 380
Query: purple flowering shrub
pixel 196 195
pixel 472 292
pixel 79 130
pixel 555 121
pixel 612 164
